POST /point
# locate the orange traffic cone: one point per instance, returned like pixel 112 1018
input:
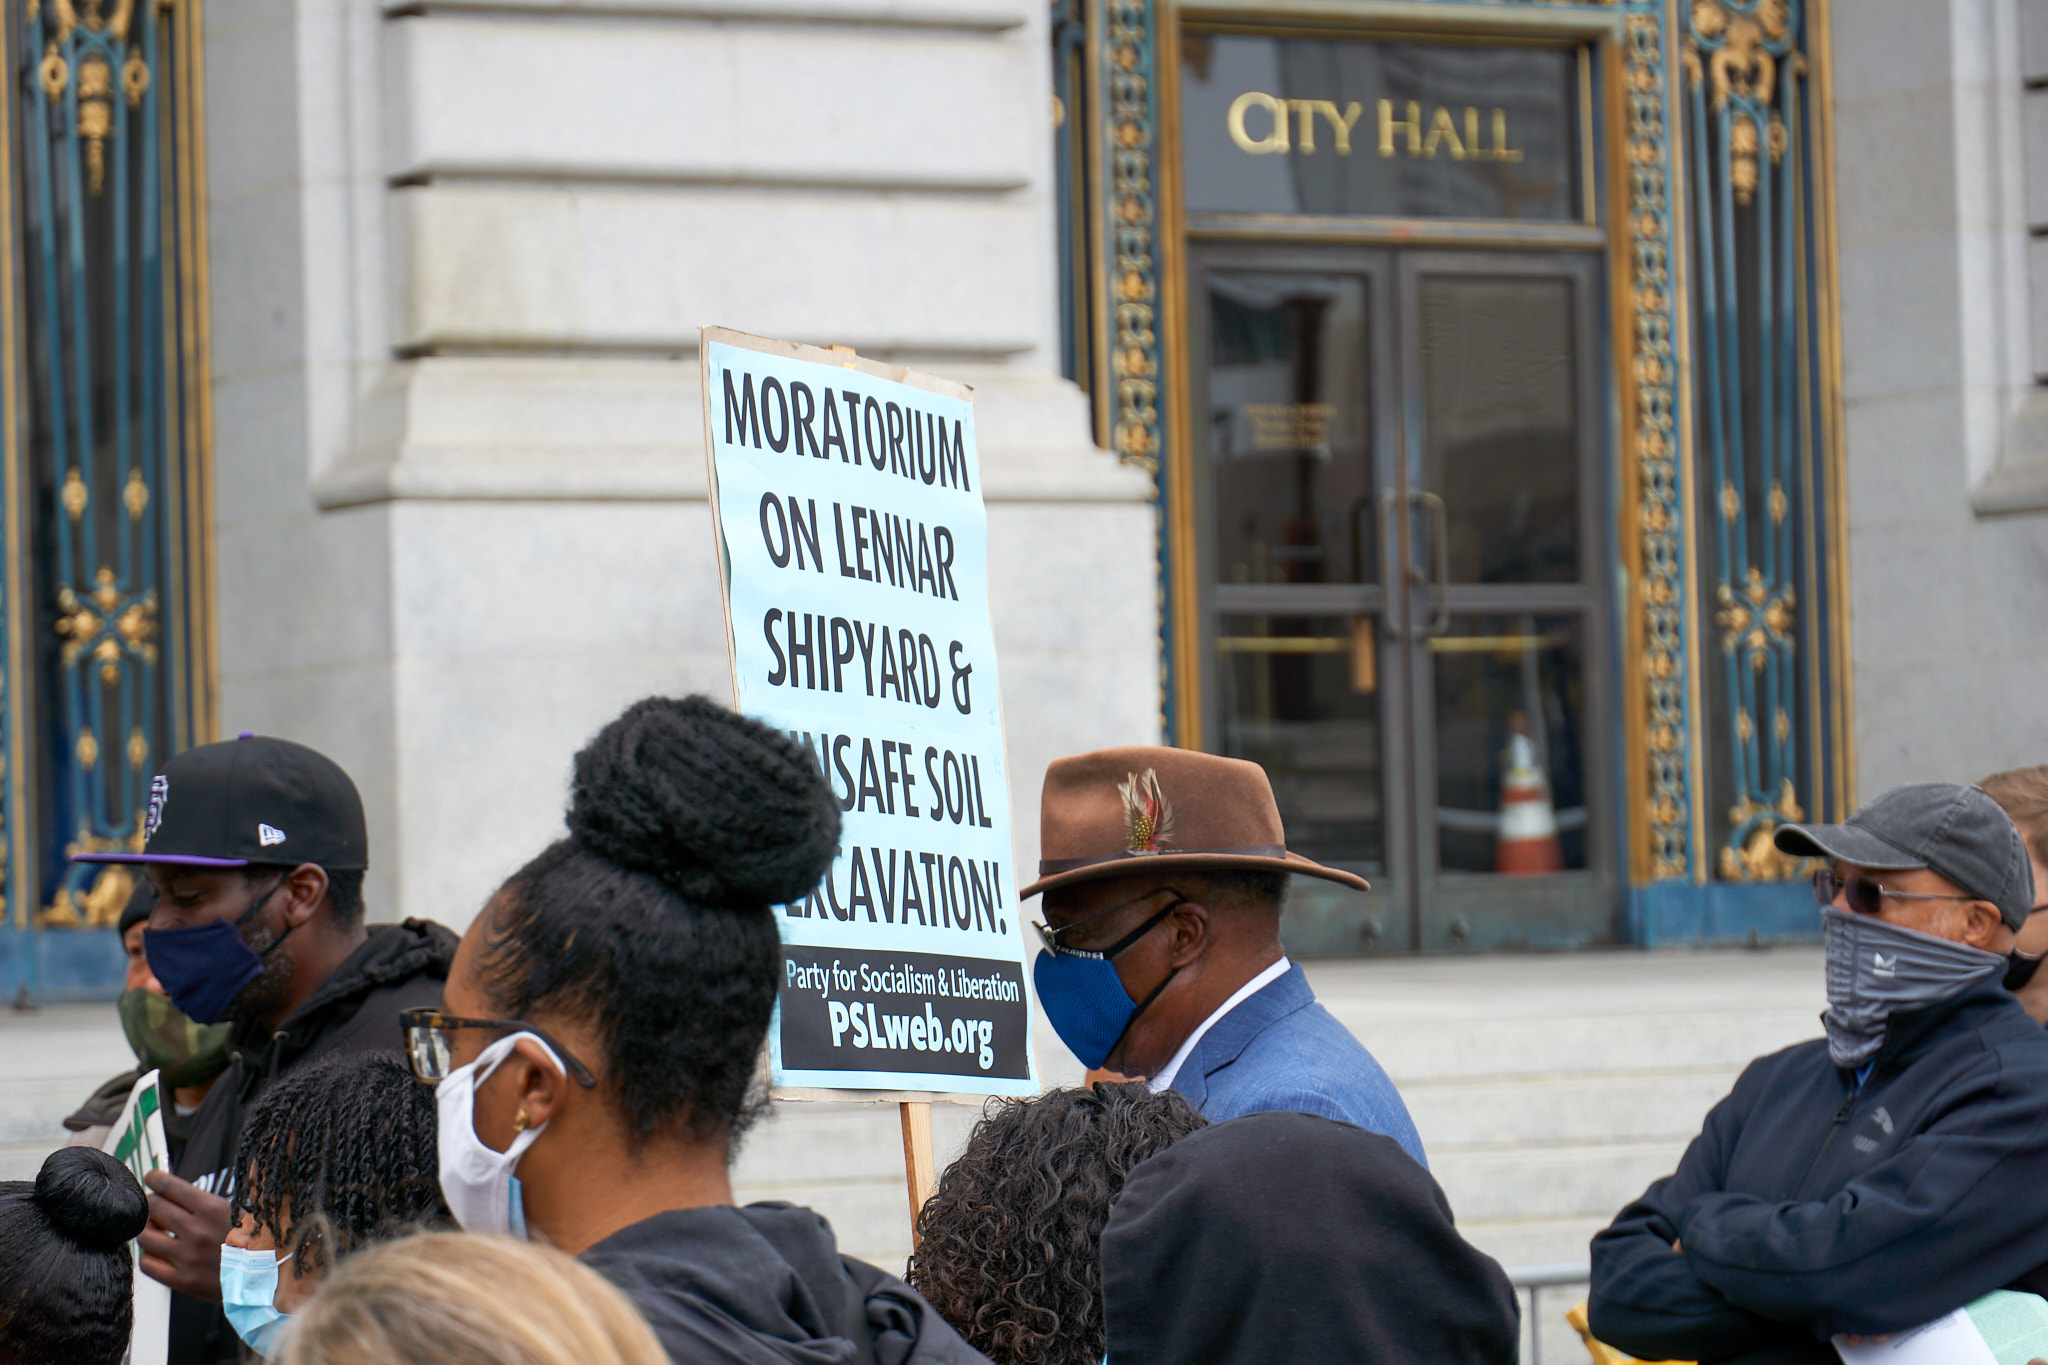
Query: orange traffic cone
pixel 1527 844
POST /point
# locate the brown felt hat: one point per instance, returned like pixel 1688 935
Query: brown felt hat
pixel 1120 812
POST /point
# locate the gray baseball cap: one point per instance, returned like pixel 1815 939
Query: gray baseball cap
pixel 1954 830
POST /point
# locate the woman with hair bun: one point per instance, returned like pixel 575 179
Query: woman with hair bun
pixel 598 1057
pixel 67 1277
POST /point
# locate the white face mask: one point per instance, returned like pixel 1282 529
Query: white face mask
pixel 478 1183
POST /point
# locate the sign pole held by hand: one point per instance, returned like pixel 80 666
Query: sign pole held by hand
pixel 853 556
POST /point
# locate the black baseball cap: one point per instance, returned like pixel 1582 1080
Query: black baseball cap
pixel 1954 830
pixel 141 900
pixel 251 800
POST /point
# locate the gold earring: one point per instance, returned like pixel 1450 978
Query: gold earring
pixel 521 1119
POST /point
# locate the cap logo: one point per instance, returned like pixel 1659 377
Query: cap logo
pixel 1148 819
pixel 266 835
pixel 159 793
pixel 1880 965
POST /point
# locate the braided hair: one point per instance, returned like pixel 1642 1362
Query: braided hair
pixel 345 1148
pixel 66 1277
pixel 1009 1247
pixel 653 919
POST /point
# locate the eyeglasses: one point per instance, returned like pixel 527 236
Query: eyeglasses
pixel 1865 896
pixel 1051 936
pixel 428 1046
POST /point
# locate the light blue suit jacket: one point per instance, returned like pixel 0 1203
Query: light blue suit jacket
pixel 1280 1050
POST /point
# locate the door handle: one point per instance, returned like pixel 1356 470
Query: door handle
pixel 1440 561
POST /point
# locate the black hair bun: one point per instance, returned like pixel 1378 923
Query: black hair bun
pixel 91 1198
pixel 720 807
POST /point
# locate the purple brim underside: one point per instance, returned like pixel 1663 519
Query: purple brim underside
pixel 169 859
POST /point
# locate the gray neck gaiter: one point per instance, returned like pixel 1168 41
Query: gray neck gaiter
pixel 1876 968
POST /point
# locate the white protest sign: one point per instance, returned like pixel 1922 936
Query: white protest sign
pixel 854 555
pixel 138 1142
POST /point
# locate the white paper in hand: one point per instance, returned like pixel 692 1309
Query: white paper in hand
pixel 138 1142
pixel 2002 1328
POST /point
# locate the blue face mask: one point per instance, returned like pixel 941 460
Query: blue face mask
pixel 1083 996
pixel 205 967
pixel 248 1294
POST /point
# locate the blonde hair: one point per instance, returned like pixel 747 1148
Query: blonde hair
pixel 2023 795
pixel 453 1298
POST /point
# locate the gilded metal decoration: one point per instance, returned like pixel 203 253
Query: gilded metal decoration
pixel 1134 218
pixel 1735 49
pixel 95 906
pixel 1652 445
pixel 107 246
pixel 1759 427
pixel 95 116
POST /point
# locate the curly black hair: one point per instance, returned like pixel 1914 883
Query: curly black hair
pixel 654 918
pixel 66 1276
pixel 346 1147
pixel 1008 1246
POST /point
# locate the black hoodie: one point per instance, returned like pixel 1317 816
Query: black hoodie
pixel 766 1285
pixel 1810 1206
pixel 396 968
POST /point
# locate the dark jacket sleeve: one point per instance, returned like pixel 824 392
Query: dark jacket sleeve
pixel 1645 1297
pixel 905 1329
pixel 1860 1261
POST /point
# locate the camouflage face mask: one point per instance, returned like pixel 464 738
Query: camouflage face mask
pixel 187 1053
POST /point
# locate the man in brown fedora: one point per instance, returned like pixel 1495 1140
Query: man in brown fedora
pixel 1164 871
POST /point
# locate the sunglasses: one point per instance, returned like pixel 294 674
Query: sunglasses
pixel 1864 895
pixel 431 1051
pixel 1050 936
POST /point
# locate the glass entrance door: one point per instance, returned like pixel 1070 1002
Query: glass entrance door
pixel 1404 566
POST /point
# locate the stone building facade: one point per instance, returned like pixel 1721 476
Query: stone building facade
pixel 1628 403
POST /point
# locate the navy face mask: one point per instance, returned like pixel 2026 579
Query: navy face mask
pixel 205 967
pixel 1085 999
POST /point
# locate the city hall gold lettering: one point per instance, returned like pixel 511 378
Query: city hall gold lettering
pixel 1459 134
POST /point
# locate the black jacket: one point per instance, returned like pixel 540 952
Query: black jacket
pixel 1807 1207
pixel 766 1285
pixel 397 967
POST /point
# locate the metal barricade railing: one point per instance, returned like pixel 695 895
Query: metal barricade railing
pixel 1534 1279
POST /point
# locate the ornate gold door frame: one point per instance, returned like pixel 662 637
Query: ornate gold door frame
pixel 1118 83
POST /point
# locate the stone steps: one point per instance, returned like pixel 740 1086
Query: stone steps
pixel 54 1058
pixel 1586 1107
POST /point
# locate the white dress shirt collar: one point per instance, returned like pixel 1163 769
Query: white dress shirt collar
pixel 1164 1079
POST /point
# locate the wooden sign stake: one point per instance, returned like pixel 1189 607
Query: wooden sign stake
pixel 918 1167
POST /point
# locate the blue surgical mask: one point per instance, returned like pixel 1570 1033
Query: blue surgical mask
pixel 205 967
pixel 1085 999
pixel 248 1294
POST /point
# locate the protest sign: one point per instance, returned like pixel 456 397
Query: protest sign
pixel 853 554
pixel 138 1142
pixel 2005 1327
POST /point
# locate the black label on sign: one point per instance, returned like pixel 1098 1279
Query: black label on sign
pixel 853 1010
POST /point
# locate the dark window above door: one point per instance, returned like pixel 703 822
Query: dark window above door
pixel 1323 127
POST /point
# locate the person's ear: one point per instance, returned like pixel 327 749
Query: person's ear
pixel 1190 939
pixel 303 891
pixel 1980 929
pixel 538 1082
